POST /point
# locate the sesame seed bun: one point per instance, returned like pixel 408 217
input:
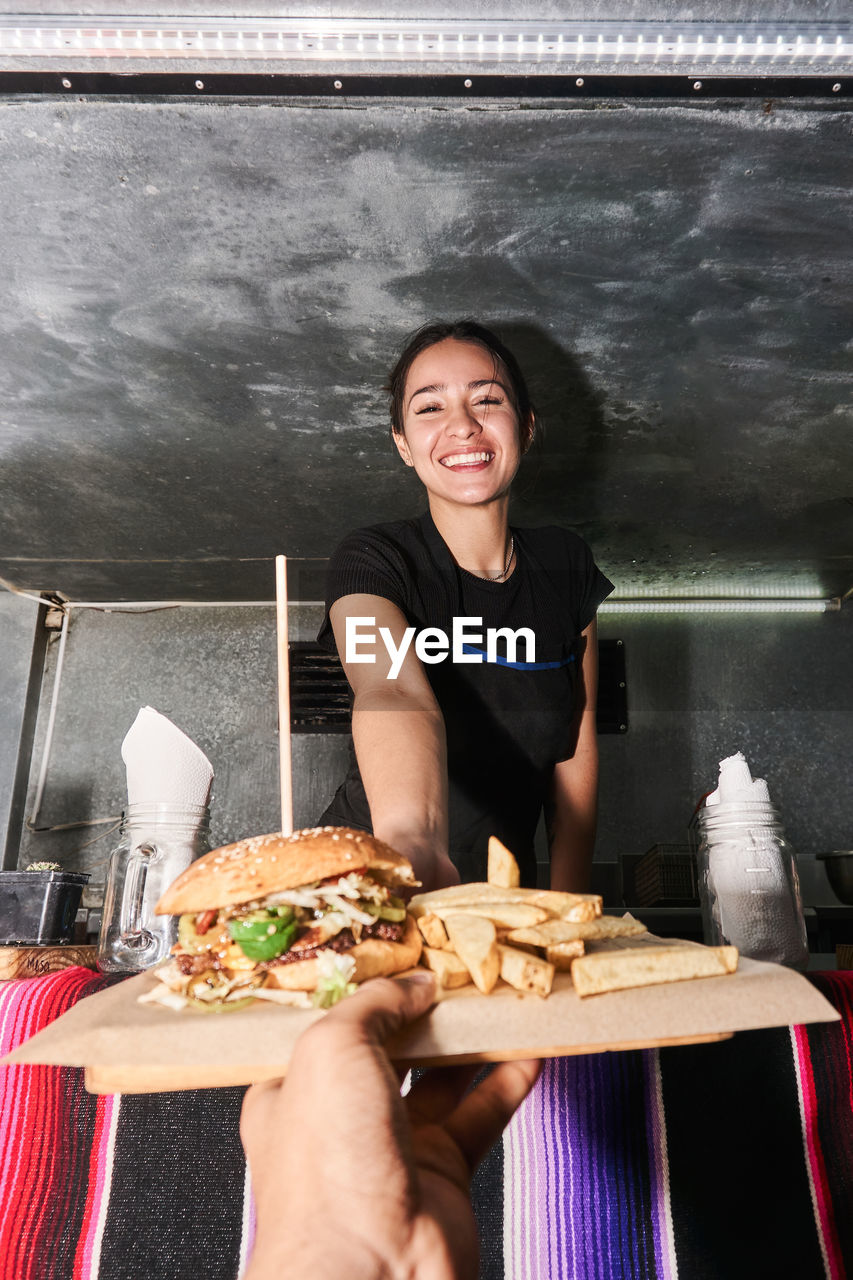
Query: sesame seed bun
pixel 374 958
pixel 259 865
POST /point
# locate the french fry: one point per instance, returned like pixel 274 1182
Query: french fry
pixel 553 931
pixel 506 915
pixel 502 868
pixel 447 967
pixel 568 906
pixel 636 942
pixel 525 972
pixel 504 940
pixel 433 931
pixel 561 954
pixel 475 942
pixel 458 895
pixel 647 966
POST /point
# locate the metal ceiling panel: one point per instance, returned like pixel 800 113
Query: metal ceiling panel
pixel 201 299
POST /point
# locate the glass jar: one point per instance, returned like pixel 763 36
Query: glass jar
pixel 749 888
pixel 157 842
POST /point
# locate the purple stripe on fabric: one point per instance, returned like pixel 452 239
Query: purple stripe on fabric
pixel 585 1190
pixel 531 1225
pixel 558 1162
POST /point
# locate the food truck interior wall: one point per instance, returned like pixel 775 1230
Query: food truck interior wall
pixel 199 304
pixel 775 687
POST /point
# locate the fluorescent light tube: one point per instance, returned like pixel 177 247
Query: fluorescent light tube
pixel 802 48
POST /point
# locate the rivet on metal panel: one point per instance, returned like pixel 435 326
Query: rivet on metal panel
pixel 697 84
pixel 468 84
pixel 836 88
pixel 66 84
pixel 199 84
pixel 579 82
pixel 338 84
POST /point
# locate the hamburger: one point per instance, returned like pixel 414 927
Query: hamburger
pixel 297 919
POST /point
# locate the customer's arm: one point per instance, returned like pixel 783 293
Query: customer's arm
pixel 398 732
pixel 574 790
pixel 351 1180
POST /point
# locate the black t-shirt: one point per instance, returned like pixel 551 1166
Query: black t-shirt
pixel 509 720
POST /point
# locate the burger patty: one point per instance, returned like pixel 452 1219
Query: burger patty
pixel 343 941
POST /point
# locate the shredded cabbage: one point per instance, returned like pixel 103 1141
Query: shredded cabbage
pixel 348 909
pixel 335 970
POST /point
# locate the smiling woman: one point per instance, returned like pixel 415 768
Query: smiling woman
pixel 460 417
pixel 448 753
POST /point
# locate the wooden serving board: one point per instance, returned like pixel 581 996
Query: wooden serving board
pixel 33 962
pixel 130 1047
pixel 166 1079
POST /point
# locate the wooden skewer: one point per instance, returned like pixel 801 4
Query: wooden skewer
pixel 284 753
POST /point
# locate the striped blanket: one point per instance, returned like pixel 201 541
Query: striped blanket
pixel 710 1162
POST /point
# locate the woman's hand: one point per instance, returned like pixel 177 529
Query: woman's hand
pixel 433 870
pixel 350 1179
pixel 444 873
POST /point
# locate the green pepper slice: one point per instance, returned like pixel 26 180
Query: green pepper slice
pixel 263 939
pixel 393 910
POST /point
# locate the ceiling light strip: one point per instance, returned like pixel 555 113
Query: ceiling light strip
pixel 739 605
pixel 748 47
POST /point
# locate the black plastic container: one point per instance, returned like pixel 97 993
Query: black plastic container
pixel 38 908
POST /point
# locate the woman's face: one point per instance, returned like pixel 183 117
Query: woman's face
pixel 460 428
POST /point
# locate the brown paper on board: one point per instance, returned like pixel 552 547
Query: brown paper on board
pixel 131 1047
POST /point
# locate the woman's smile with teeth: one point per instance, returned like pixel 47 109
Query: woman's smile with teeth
pixel 466 459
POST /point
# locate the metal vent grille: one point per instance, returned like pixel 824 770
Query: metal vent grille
pixel 320 695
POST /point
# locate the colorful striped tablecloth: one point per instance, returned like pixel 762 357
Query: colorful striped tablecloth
pixel 729 1161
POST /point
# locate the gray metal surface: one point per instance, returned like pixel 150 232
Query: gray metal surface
pixel 777 688
pixel 201 299
pixel 18 621
pixel 212 672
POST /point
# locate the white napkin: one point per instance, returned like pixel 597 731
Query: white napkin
pixel 755 900
pixel 736 784
pixel 164 766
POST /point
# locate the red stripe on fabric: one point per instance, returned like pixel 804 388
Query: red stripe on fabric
pixel 31 1189
pixel 34 1124
pixel 35 1178
pixel 35 1002
pixel 96 1188
pixel 814 1154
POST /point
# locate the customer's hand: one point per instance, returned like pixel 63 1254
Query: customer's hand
pixel 353 1182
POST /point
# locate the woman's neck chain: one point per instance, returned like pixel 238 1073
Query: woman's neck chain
pixel 498 577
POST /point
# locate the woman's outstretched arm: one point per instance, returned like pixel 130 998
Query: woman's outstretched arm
pixel 398 732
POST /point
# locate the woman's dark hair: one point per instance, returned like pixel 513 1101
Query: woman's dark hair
pixel 462 331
